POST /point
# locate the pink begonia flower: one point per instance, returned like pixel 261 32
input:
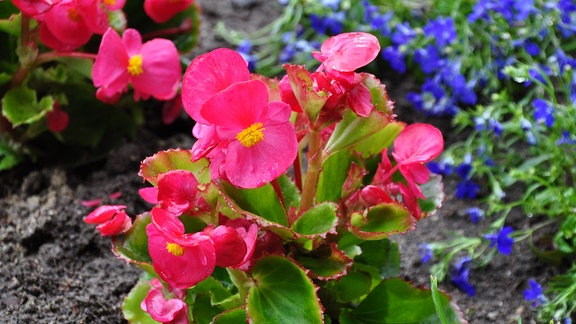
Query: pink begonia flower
pixel 234 241
pixel 168 311
pixel 34 7
pixel 153 68
pixel 347 52
pixel 64 27
pixel 181 259
pixel 111 219
pixel 259 142
pixel 178 193
pixel 57 119
pixel 161 11
pixel 209 74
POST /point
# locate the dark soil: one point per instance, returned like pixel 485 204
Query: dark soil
pixel 56 269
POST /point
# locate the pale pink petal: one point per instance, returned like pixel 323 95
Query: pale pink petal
pixel 349 51
pixel 209 74
pixel 418 143
pixel 149 194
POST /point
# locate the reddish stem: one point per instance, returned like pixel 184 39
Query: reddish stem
pixel 298 172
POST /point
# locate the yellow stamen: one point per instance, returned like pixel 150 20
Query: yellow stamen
pixel 175 249
pixel 109 2
pixel 252 135
pixel 73 14
pixel 135 65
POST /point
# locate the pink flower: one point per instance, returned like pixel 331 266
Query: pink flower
pixel 181 259
pixel 34 7
pixel 111 219
pixel 347 52
pixel 170 311
pixel 57 119
pixel 178 193
pixel 162 10
pixel 234 241
pixel 153 68
pixel 258 140
pixel 209 74
pixel 65 26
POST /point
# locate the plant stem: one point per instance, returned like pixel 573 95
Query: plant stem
pixel 313 172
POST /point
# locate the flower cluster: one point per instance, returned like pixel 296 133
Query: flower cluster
pixel 278 198
pixel 58 51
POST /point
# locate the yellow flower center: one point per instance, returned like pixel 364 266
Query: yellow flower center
pixel 252 135
pixel 109 2
pixel 135 65
pixel 73 14
pixel 175 249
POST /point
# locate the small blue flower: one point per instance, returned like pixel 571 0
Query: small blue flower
pixel 403 34
pixel 244 48
pixel 566 139
pixel 425 252
pixel 459 275
pixel 442 29
pixel 467 189
pixel 428 58
pixel 543 112
pixel 381 23
pixel 534 294
pixel 476 214
pixel 502 240
pixel 395 57
pixel 444 167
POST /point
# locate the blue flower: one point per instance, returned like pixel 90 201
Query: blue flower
pixel 403 34
pixel 381 23
pixel 442 30
pixel 476 214
pixel 467 189
pixel 566 139
pixel 395 57
pixel 459 275
pixel 428 58
pixel 328 24
pixel 244 48
pixel 534 294
pixel 543 112
pixel 444 167
pixel 502 240
pixel 425 252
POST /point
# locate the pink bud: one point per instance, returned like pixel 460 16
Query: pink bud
pixel 111 219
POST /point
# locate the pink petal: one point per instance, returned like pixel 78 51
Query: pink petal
pixel 149 194
pixel 103 214
pixel 418 143
pixel 194 265
pixel 132 41
pixel 161 70
pixel 230 246
pixel 238 106
pixel 209 74
pixel 164 311
pixel 109 68
pixel 162 10
pixel 177 191
pixel 360 100
pixel 118 224
pixel 349 51
pixel 66 29
pixel 91 203
pixel 57 119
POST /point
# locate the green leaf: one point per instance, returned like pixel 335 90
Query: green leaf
pixel 333 176
pixel 433 190
pixel 131 309
pixel 134 246
pixel 397 301
pixel 173 159
pixel 383 138
pixel 233 316
pixel 203 311
pixel 262 201
pixel 12 25
pixel 318 220
pixel 383 255
pixel 20 106
pixel 282 294
pixel 437 299
pixel 325 262
pixel 353 130
pixel 352 286
pixel 382 221
pixel 290 192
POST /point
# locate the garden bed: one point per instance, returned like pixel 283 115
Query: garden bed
pixel 55 268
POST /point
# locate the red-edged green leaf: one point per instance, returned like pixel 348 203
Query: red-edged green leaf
pixel 303 87
pixel 383 255
pixel 397 301
pixel 233 316
pixel 381 221
pixel 173 159
pixel 382 139
pixel 333 176
pixel 418 143
pixel 318 220
pixel 131 309
pixel 352 286
pixel 262 201
pixel 133 247
pixel 21 106
pixel 282 294
pixel 325 263
pixel 353 130
pixel 379 94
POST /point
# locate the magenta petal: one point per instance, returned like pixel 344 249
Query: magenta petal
pixel 110 65
pixel 149 194
pixel 164 311
pixel 209 74
pixel 418 143
pixel 229 245
pixel 238 106
pixel 195 264
pixel 118 224
pixel 103 214
pixel 67 30
pixel 162 10
pixel 349 51
pixel 252 167
pixel 161 70
pixel 132 41
pixel 360 100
